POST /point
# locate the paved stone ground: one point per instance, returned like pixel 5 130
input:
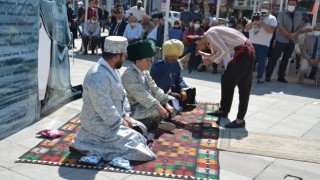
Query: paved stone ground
pixel 275 108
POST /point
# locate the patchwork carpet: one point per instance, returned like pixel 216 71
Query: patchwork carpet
pixel 284 147
pixel 189 152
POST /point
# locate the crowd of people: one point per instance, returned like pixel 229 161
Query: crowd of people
pixel 124 110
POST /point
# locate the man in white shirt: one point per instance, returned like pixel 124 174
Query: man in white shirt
pixel 260 34
pixel 133 31
pixel 91 33
pixel 137 11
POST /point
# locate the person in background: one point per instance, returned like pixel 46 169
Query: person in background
pixel 194 30
pixel 137 11
pixel 149 104
pixel 157 30
pixel 206 24
pixel 197 15
pixel 176 25
pixel 260 33
pixel 79 20
pixel 107 129
pixel 133 31
pixel 105 18
pixel 289 27
pixel 167 73
pixel 91 11
pixel 146 25
pixel 72 21
pixel 91 33
pixel 99 11
pixel 310 53
pixel 185 17
pixel 118 26
pixel 116 9
pixel 221 40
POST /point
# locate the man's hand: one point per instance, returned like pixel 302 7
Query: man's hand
pixel 169 108
pixel 162 111
pixel 125 124
pixel 183 95
pixel 128 121
pixel 292 36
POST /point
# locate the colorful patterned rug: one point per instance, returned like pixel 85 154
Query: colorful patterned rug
pixel 190 152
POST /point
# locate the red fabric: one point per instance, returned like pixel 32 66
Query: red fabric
pixel 241 51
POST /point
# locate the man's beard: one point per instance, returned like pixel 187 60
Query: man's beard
pixel 119 64
pixel 139 7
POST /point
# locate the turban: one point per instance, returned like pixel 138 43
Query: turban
pixel 141 49
pixel 172 47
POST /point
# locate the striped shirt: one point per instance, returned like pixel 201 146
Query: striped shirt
pixel 222 40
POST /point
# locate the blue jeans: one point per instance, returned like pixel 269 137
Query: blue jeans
pixel 261 52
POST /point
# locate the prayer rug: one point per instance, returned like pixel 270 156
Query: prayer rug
pixel 284 147
pixel 189 152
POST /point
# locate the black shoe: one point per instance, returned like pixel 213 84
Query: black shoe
pixel 93 53
pixel 234 124
pixel 268 79
pixel 282 80
pixel 219 114
pixel 85 53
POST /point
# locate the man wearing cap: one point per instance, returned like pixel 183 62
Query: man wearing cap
pixel 166 73
pixel 137 11
pixel 149 104
pixel 221 40
pixel 105 117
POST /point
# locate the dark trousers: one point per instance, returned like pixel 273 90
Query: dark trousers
pixel 287 50
pixel 94 42
pixel 238 73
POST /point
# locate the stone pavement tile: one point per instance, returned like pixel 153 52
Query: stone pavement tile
pixel 242 164
pixel 227 175
pixel 304 117
pixel 293 98
pixel 291 127
pixel 5 144
pixel 259 122
pixel 310 109
pixel 11 175
pixel 37 171
pixel 313 133
pixel 64 114
pixel 140 177
pixel 85 174
pixel 287 106
pixel 25 137
pixel 10 154
pixel 280 168
pixel 277 113
pixel 114 175
pixel 261 101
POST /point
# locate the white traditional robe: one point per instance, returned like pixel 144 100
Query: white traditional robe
pixel 102 132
